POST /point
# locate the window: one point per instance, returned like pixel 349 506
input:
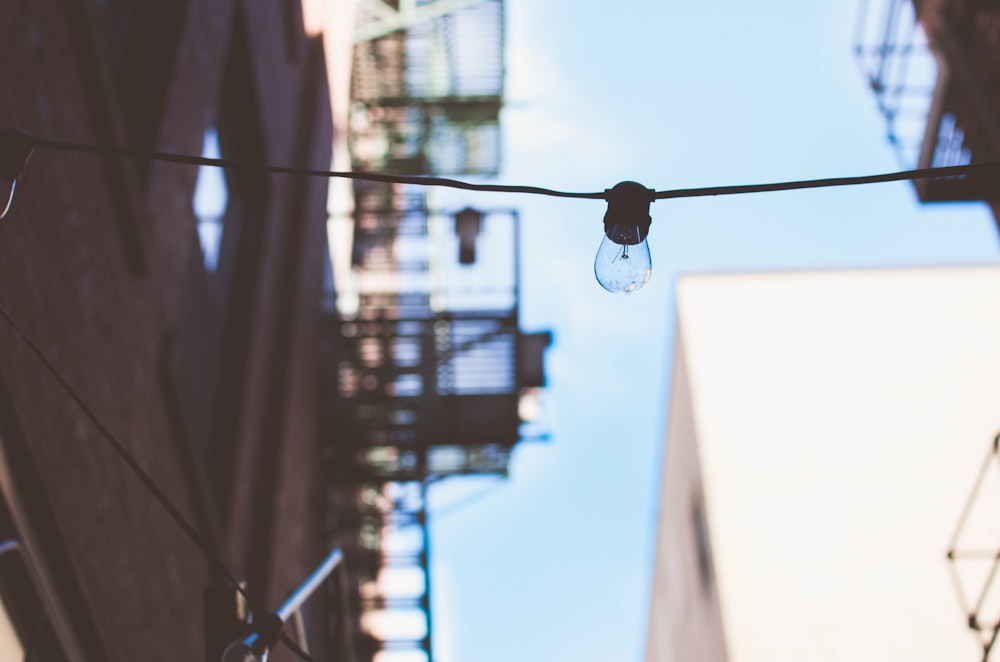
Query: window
pixel 703 550
pixel 230 204
pixel 211 196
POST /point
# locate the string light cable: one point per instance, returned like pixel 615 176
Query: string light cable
pixel 623 263
pixel 265 623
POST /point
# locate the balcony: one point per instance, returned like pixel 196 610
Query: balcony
pixel 934 80
pixel 427 96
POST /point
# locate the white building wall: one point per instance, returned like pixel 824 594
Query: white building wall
pixel 685 621
pixel 840 420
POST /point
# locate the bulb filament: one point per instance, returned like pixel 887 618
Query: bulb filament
pixel 622 254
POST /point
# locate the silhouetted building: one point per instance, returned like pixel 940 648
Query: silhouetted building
pixel 198 356
pixel 933 66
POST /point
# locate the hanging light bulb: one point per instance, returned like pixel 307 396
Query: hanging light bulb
pixel 623 264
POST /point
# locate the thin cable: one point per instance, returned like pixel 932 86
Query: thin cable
pixel 10 199
pixel 956 583
pixel 144 477
pixel 43 143
pixel 921 173
pixel 988 646
pixel 119 449
pixel 294 647
pixel 971 499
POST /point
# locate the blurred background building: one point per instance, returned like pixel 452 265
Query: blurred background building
pixel 934 66
pixel 824 492
pixel 427 86
pixel 431 377
pixel 286 404
pixel 427 373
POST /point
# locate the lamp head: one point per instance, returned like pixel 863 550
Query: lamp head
pixel 627 220
pixel 623 264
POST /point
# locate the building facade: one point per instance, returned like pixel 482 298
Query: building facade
pixel 824 494
pixel 933 67
pixel 186 322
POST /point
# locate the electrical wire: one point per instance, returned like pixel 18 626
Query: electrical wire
pixel 988 646
pixel 419 180
pixel 919 173
pixel 158 494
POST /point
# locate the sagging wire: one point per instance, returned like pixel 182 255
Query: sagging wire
pixel 419 180
pixel 618 267
pixel 266 617
pixel 16 146
pixel 953 172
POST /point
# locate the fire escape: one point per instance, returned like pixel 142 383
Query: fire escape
pixel 421 384
pixel 934 67
pixel 427 97
pixel 426 373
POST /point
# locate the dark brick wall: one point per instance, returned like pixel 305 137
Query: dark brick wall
pixel 95 262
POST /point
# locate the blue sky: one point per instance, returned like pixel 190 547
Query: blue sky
pixel 555 563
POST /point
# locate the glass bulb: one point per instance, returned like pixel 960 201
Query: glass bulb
pixel 623 267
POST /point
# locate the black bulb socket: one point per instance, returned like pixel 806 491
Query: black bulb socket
pixel 627 219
